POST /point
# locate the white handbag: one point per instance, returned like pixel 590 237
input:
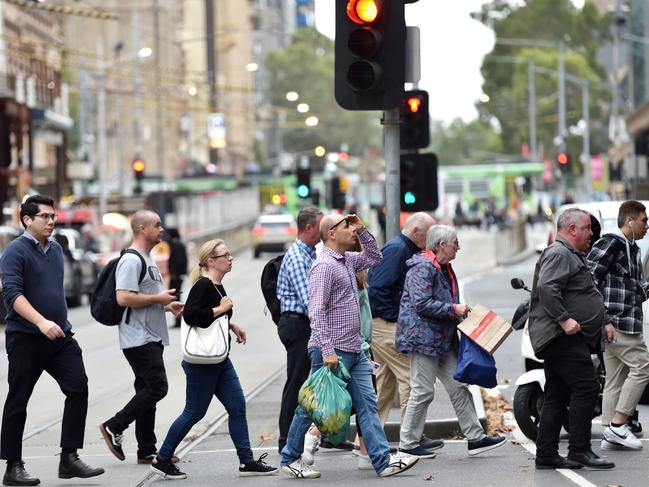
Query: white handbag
pixel 209 345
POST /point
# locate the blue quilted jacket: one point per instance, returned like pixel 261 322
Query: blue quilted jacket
pixel 427 323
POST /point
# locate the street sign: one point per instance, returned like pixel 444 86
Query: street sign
pixel 216 131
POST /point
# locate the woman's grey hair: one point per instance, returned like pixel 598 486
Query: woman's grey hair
pixel 438 234
pixel 569 217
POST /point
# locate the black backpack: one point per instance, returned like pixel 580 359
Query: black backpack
pixel 103 303
pixel 269 286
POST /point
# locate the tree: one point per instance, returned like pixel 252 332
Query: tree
pixel 582 31
pixel 306 66
pixel 466 143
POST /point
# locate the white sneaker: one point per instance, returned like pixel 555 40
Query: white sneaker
pixel 364 462
pixel 299 470
pixel 397 465
pixel 607 445
pixel 311 443
pixel 621 435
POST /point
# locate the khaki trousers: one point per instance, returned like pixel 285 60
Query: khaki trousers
pixel 627 374
pixel 394 371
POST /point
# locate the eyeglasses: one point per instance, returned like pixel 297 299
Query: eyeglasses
pixel 346 220
pixel 47 216
pixel 227 255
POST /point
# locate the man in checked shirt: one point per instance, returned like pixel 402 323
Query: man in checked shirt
pixel 616 265
pixel 335 336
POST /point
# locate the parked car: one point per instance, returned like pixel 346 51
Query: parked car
pixel 80 270
pixel 273 233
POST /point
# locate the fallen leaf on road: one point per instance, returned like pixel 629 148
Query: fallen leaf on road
pixel 495 406
pixel 429 477
pixel 265 437
pixel 613 485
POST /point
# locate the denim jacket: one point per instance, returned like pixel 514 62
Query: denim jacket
pixel 427 323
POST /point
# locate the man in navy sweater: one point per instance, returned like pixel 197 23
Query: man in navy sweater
pixel 39 338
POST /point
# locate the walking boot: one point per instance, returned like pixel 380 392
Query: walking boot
pixel 71 466
pixel 17 475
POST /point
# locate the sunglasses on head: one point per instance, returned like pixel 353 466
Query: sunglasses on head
pixel 346 220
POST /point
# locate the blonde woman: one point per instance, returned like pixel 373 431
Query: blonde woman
pixel 207 301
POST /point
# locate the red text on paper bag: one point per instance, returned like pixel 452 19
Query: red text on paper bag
pixel 486 328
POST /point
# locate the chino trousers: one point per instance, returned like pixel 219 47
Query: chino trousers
pixel 29 356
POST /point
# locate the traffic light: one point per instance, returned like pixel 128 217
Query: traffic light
pixel 370 51
pixel 418 182
pixel 303 185
pixel 138 169
pixel 563 161
pixel 338 197
pixel 415 120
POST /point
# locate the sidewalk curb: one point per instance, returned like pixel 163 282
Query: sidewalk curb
pixel 435 428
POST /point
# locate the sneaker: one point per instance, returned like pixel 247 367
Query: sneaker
pixel 430 444
pixel 622 436
pixel 311 443
pixel 397 465
pixel 167 470
pixel 299 470
pixel 256 467
pixel 148 459
pixel 485 444
pixel 608 445
pixel 417 452
pixel 113 441
pixel 364 462
pixel 634 425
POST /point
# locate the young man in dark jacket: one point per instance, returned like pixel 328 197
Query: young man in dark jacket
pixel 39 338
pixel 616 265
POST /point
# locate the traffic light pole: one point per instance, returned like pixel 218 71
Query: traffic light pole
pixel 391 152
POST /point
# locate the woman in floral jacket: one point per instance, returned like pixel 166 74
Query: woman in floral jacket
pixel 427 329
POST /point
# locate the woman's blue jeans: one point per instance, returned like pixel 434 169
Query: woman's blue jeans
pixel 364 401
pixel 203 382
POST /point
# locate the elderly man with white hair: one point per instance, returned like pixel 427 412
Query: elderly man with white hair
pixel 427 330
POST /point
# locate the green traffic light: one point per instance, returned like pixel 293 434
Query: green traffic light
pixel 409 198
pixel 303 191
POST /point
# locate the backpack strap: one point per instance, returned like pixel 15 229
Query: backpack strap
pixel 140 279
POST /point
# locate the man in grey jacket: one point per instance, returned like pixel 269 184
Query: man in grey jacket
pixel 567 315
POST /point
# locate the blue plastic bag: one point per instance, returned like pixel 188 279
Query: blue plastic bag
pixel 325 399
pixel 474 365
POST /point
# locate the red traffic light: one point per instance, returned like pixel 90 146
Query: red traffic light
pixel 364 12
pixel 413 104
pixel 562 158
pixel 138 165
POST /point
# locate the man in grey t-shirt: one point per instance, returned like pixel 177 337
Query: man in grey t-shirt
pixel 142 336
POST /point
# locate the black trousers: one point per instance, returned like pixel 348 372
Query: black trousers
pixel 294 331
pixel 150 387
pixel 571 380
pixel 29 356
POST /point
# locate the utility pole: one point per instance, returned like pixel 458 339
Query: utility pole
pixel 531 86
pixel 157 50
pixel 562 96
pixel 210 39
pixel 101 127
pixel 585 156
pixel 137 85
pixel 391 151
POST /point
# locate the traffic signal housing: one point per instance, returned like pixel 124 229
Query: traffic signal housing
pixel 138 169
pixel 338 197
pixel 370 56
pixel 418 182
pixel 303 184
pixel 563 161
pixel 415 120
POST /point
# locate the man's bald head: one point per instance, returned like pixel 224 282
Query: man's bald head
pixel 327 222
pixel 416 227
pixel 142 217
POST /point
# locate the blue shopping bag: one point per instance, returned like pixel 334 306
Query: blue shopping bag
pixel 474 365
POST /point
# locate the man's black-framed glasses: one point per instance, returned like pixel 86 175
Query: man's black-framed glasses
pixel 47 216
pixel 346 220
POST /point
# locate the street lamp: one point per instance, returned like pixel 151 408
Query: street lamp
pixel 303 108
pixel 311 121
pixel 292 96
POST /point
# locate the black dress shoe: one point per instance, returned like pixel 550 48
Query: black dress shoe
pixel 72 466
pixel 590 460
pixel 17 475
pixel 345 445
pixel 546 463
